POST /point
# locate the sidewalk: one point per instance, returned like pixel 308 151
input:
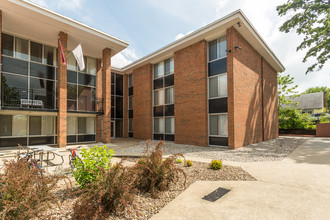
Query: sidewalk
pixel 297 187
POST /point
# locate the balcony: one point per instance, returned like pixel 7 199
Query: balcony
pixel 41 100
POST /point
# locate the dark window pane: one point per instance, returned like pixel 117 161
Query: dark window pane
pixel 71 139
pixel 81 125
pixel 36 52
pixel 130 134
pixel 72 91
pixel 130 113
pixel 218 105
pixel 14 88
pixel 113 98
pixel 119 84
pixel 12 65
pixel 169 80
pixel 5 125
pixel 158 111
pixel 119 107
pixel 12 142
pixel 113 89
pixel 158 137
pixel 48 55
pixel 43 90
pixel 169 110
pixel 85 79
pixel 158 83
pixel 42 71
pixel 7 45
pixel 86 99
pixel 86 138
pixel 41 140
pixel 112 112
pixel 220 141
pixel 119 128
pixel 130 91
pixel 72 76
pixel 35 125
pixel 169 137
pixel 218 67
pixel 72 105
pixel 113 80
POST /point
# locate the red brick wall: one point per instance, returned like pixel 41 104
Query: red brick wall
pixel 142 105
pixel 323 130
pixel 106 92
pixel 62 93
pixel 270 102
pixel 125 121
pixel 247 93
pixel 190 95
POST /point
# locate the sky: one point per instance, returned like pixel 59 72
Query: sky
pixel 150 24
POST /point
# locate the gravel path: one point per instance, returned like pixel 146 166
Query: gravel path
pixel 272 150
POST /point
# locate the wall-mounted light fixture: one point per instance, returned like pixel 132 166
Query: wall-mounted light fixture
pixel 238 47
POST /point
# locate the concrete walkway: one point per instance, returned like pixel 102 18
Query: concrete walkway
pixel 297 187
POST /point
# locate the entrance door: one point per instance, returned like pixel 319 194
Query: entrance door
pixel 113 129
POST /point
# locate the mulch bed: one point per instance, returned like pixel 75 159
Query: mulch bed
pixel 145 205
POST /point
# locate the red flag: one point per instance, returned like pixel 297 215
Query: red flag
pixel 62 53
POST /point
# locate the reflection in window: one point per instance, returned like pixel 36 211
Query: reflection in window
pixel 21 48
pixel 36 52
pixel 7 45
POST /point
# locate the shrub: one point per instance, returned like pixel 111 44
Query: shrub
pixel 91 164
pixel 112 193
pixel 24 193
pixel 179 160
pixel 189 163
pixel 216 164
pixel 156 174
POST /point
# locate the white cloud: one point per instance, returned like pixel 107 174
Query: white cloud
pixel 70 5
pixel 124 58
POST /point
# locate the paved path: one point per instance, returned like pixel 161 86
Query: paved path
pixel 297 187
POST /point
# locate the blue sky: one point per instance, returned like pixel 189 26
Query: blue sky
pixel 150 24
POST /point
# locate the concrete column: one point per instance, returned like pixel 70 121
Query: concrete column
pixel 99 100
pixel 106 92
pixel 62 92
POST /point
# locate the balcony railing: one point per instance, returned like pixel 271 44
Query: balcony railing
pixel 46 100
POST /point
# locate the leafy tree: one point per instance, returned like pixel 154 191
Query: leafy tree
pixel 310 18
pixel 320 89
pixel 285 88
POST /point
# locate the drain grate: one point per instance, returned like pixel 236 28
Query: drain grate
pixel 216 194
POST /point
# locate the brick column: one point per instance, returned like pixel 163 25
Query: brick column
pixel 62 92
pixel 98 100
pixel 125 121
pixel 106 91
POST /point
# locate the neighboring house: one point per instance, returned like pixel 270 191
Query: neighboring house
pixel 216 86
pixel 312 103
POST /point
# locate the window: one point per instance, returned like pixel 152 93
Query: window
pixel 169 125
pixel 91 66
pixel 81 125
pixel 72 125
pixel 5 125
pixel 217 48
pixel 159 70
pixel 19 125
pixel 130 103
pixel 169 95
pixel 169 66
pixel 48 55
pixel 90 125
pixel 159 125
pixel 36 52
pixel 35 125
pixel 7 45
pixel 130 124
pixel 47 125
pixel 71 62
pixel 21 48
pixel 130 80
pixel 219 125
pixel 159 97
pixel 218 86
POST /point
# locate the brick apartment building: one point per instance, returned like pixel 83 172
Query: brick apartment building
pixel 215 86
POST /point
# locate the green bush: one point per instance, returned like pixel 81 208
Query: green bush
pixel 291 118
pixel 179 160
pixel 111 193
pixel 91 164
pixel 155 174
pixel 189 163
pixel 216 164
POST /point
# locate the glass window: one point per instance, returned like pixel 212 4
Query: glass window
pixel 21 48
pixel 159 97
pixel 7 45
pixel 81 125
pixel 212 50
pixel 48 55
pixel 71 63
pixel 159 125
pixel 223 85
pixel 159 70
pixel 47 125
pixel 223 122
pixel 91 66
pixel 72 91
pixel 14 87
pixel 169 66
pixel 169 95
pixel 214 125
pixel 213 87
pixel 6 125
pixel 36 52
pixel 130 80
pixel 19 125
pixel 130 124
pixel 130 103
pixel 169 125
pixel 222 47
pixel 72 125
pixel 90 125
pixel 35 125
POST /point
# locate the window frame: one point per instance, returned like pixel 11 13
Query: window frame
pixel 218 50
pixel 219 87
pixel 209 122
